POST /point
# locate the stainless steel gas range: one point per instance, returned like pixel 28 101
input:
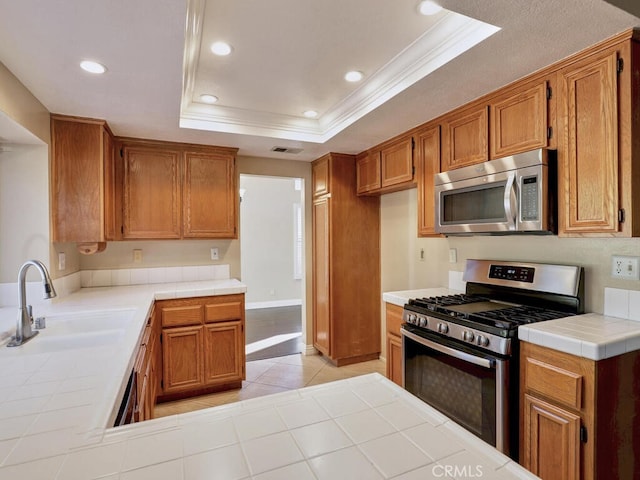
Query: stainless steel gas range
pixel 460 352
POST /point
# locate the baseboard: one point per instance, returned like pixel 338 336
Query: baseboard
pixel 309 350
pixel 273 303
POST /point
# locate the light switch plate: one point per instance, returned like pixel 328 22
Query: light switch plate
pixel 214 253
pixel 62 261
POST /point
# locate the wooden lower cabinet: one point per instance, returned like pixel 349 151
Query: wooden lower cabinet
pixel 580 418
pixel 146 370
pixel 394 343
pixel 202 343
pixel 182 354
pixel 552 440
pixel 222 359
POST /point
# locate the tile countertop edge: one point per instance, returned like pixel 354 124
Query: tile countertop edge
pixel 401 297
pixel 590 335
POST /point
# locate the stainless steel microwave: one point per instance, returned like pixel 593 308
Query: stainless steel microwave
pixel 516 194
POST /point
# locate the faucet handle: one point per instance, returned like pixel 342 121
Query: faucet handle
pixel 40 323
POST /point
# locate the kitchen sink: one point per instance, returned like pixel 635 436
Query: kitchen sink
pixel 79 330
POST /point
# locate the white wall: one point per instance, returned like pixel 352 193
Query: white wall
pixel 24 209
pixel 402 269
pixel 267 238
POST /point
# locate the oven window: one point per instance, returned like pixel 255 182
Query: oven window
pixel 464 392
pixel 474 205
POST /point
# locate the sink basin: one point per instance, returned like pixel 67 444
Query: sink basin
pixel 85 322
pixel 55 343
pixel 79 330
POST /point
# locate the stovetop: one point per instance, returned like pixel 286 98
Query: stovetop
pixel 484 311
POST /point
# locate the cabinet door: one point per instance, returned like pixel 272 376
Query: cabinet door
pixel 320 176
pixel 519 122
pixel 182 358
pixel 428 160
pixel 396 163
pixel 210 196
pixel 394 358
pixel 368 172
pixel 224 352
pixel 551 439
pixel 588 169
pixel 465 138
pixel 77 200
pixel 321 279
pixel 151 193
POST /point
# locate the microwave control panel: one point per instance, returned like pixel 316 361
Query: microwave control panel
pixel 529 205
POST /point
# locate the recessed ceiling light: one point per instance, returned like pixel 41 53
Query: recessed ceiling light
pixel 221 48
pixel 427 7
pixel 208 98
pixel 92 67
pixel 353 76
pixel 310 114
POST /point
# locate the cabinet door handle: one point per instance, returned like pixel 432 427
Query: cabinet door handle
pixel 583 434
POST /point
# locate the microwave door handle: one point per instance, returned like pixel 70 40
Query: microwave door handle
pixel 510 200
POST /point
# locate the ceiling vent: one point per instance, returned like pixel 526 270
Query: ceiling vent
pixel 286 150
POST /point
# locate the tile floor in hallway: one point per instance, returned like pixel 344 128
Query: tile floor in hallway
pixel 274 375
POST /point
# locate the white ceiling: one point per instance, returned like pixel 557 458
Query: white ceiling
pixel 288 56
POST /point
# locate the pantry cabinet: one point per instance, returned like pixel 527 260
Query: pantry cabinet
pixel 600 154
pixel 174 191
pixel 465 137
pixel 345 271
pixel 428 162
pixel 84 200
pixel 203 344
pixel 393 315
pixel 578 416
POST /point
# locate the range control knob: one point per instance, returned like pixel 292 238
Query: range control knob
pixel 468 336
pixel 423 321
pixel 443 328
pixel 411 318
pixel 482 340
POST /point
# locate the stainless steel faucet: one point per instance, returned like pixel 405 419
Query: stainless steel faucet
pixel 23 330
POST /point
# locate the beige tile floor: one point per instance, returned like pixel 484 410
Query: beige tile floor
pixel 274 375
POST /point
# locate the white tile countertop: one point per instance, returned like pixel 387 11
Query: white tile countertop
pixel 57 400
pixel 591 335
pixel 364 427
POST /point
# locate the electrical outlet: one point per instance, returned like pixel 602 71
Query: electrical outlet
pixel 625 267
pixel 137 255
pixel 214 253
pixel 453 255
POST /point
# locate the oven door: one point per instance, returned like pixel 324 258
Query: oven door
pixel 468 386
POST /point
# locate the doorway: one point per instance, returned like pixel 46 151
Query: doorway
pixel 272 266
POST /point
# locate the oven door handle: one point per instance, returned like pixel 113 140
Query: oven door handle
pixel 452 352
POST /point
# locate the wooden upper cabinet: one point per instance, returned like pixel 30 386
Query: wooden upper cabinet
pixel 396 162
pixel 83 203
pixel 519 121
pixel 174 190
pixel 368 171
pixel 589 163
pixel 465 135
pixel 210 196
pixel 151 192
pixel 320 177
pixel 428 163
